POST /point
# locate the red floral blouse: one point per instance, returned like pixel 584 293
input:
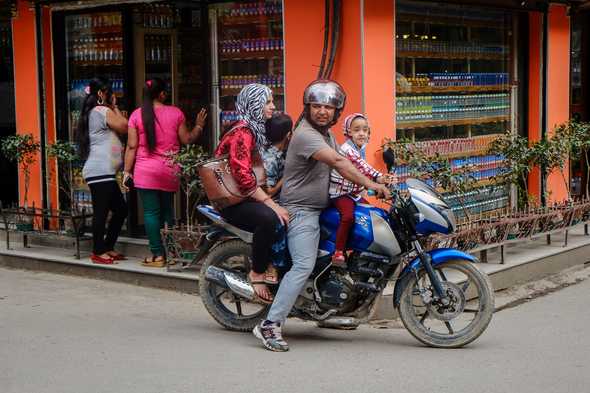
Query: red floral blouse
pixel 238 144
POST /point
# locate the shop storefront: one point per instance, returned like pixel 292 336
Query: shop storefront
pixel 450 75
pixel 457 73
pixel 204 52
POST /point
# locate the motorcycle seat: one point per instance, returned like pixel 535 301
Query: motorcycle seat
pixel 213 215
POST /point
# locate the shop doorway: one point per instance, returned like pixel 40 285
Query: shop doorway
pixel 8 171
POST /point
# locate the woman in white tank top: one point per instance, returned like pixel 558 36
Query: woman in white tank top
pixel 97 136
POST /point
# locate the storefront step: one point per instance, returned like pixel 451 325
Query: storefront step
pixel 128 246
pixel 62 261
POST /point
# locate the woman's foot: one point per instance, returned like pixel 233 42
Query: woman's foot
pixel 116 256
pixel 154 261
pixel 271 275
pixel 338 259
pixel 103 259
pixel 263 294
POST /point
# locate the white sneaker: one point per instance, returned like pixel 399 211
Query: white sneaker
pixel 270 334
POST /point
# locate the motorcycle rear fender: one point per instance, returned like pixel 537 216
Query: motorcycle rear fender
pixel 438 256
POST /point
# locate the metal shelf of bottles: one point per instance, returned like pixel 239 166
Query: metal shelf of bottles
pixel 262 54
pixel 103 30
pixel 456 122
pixel 444 55
pixel 446 20
pixel 451 89
pixel 279 91
pixel 250 19
pixel 476 185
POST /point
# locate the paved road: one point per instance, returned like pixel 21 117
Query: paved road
pixel 67 334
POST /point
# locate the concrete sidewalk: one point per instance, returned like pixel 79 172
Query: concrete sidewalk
pixel 524 262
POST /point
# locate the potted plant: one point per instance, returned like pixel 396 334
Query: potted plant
pixel 66 155
pixel 518 158
pixel 182 242
pixel 435 167
pixel 552 155
pixel 22 149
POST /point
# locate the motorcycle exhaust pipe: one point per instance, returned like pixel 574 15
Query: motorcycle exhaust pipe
pixel 231 281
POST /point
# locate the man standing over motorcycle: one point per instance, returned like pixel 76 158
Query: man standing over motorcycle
pixel 310 157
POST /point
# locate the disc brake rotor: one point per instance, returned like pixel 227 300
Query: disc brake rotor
pixel 454 308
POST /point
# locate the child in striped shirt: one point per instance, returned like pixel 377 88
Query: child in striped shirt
pixel 344 194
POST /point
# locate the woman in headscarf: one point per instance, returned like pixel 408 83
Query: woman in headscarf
pixel 258 214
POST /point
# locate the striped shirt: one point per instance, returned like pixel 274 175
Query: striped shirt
pixel 339 186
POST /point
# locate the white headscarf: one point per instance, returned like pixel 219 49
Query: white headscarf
pixel 250 106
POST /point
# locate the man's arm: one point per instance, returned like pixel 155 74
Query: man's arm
pixel 336 161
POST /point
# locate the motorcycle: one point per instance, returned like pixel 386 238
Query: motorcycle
pixel 442 298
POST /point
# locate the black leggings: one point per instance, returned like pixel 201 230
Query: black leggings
pixel 261 220
pixel 106 196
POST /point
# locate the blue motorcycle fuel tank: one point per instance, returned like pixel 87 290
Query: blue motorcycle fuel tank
pixel 371 231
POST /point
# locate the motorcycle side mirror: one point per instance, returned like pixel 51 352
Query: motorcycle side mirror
pixel 389 159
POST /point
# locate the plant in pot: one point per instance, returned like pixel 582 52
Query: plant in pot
pixel 183 241
pixel 574 138
pixel 454 180
pixel 518 162
pixel 22 149
pixel 66 156
pixel 552 155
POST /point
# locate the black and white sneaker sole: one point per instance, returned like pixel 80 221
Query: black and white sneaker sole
pixel 258 333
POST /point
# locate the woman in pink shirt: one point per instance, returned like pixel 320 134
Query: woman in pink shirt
pixel 156 130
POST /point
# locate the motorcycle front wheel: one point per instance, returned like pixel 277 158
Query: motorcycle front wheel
pixel 457 322
pixel 228 309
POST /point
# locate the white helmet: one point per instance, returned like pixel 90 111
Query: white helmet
pixel 325 92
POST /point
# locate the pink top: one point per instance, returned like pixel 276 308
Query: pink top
pixel 153 170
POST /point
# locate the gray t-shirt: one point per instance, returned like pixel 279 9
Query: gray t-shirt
pixel 306 181
pixel 106 149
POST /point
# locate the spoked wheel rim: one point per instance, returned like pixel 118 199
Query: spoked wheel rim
pixel 457 322
pixel 226 300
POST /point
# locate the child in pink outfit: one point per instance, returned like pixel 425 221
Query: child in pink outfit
pixel 343 193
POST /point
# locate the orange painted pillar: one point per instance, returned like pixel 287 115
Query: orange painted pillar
pixel 535 94
pixel 50 124
pixel 26 92
pixel 304 41
pixel 558 87
pixel 379 75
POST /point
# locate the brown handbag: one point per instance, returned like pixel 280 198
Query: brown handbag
pixel 220 186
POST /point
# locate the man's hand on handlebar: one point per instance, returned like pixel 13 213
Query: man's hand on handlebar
pixel 387 179
pixel 382 191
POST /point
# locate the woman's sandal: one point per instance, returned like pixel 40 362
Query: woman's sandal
pixel 271 275
pixel 257 297
pixel 102 261
pixel 159 261
pixel 117 256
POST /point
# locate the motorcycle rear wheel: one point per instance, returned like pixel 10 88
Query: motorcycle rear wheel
pixel 229 310
pixel 442 326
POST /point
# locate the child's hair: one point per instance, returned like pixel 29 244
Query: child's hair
pixel 352 117
pixel 151 90
pixel 90 102
pixel 277 127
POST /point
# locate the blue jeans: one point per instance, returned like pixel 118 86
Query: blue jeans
pixel 303 239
